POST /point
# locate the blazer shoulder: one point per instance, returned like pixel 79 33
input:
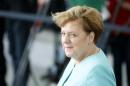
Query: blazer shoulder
pixel 100 76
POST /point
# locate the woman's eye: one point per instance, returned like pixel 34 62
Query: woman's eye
pixel 62 33
pixel 69 34
pixel 73 35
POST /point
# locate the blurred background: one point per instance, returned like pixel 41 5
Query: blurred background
pixel 30 49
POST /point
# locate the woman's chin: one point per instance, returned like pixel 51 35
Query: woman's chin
pixel 68 54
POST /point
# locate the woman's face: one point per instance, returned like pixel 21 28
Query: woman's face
pixel 75 40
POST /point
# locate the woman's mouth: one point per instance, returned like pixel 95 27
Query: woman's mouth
pixel 68 48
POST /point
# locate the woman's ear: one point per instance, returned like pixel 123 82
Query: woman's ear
pixel 91 36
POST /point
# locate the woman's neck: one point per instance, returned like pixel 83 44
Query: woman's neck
pixel 93 49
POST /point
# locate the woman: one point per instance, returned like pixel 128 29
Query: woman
pixel 81 27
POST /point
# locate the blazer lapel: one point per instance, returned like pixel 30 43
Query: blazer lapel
pixel 66 74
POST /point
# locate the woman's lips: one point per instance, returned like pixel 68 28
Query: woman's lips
pixel 68 48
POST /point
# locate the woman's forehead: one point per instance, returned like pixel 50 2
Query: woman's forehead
pixel 73 26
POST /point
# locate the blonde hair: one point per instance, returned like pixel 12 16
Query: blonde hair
pixel 90 18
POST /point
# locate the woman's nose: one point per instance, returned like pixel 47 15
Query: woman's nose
pixel 66 39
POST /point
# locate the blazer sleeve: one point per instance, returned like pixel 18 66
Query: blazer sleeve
pixel 100 76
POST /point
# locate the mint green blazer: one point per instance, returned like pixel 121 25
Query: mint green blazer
pixel 94 70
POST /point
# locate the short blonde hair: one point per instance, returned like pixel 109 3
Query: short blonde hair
pixel 90 18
